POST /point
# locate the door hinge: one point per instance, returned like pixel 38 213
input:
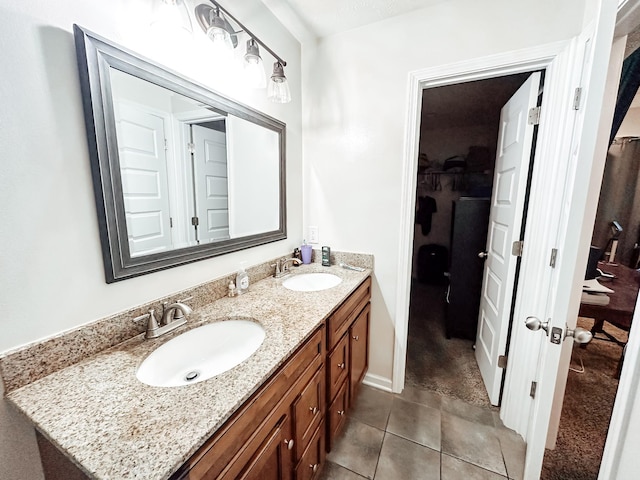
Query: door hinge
pixel 534 116
pixel 191 147
pixel 502 361
pixel 195 221
pixel 166 145
pixel 170 222
pixel 577 97
pixel 554 256
pixel 516 248
pixel 532 391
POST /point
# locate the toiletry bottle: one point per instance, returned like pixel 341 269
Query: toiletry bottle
pixel 326 256
pixel 242 280
pixel 297 255
pixel 232 290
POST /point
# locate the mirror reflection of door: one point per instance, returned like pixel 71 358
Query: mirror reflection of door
pixel 191 174
pixel 210 179
pixel 143 168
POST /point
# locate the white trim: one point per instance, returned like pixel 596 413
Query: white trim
pixel 376 381
pixel 518 61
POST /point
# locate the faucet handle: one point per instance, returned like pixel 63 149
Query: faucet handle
pixel 152 323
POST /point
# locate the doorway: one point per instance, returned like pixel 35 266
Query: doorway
pixel 457 151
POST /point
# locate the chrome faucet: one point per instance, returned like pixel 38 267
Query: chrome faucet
pixel 282 266
pixel 173 316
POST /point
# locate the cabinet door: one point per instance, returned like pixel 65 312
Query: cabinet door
pixel 308 411
pixel 272 461
pixel 338 366
pixel 337 415
pixel 359 349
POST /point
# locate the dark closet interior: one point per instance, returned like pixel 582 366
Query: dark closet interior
pixel 458 138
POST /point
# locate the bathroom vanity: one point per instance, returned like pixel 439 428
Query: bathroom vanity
pixel 275 415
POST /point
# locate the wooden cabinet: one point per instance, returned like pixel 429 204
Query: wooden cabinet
pixel 271 435
pixel 347 356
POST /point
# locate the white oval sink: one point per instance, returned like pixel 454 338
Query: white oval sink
pixel 201 353
pixel 311 282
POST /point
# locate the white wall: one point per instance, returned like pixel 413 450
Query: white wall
pixel 355 87
pixel 52 274
pixel 630 126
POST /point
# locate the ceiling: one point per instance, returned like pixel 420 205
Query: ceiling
pixel 321 18
pixel 469 103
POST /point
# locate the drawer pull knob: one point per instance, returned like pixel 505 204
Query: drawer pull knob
pixel 289 444
pixel 340 412
pixel 314 467
pixel 341 365
pixel 313 410
pixel 356 337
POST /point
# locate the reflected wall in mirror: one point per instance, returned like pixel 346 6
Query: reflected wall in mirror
pixel 180 173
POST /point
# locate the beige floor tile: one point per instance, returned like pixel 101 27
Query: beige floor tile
pixel 372 407
pixel 333 471
pixel 455 469
pixel 422 396
pixel 472 442
pixel 469 412
pixel 513 451
pixel 358 448
pixel 415 422
pixel 403 459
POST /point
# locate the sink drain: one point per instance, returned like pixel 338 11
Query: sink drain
pixel 191 376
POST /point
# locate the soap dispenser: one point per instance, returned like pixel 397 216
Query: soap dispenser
pixel 242 280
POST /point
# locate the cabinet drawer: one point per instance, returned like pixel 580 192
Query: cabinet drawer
pixel 310 466
pixel 359 349
pixel 337 367
pixel 339 322
pixel 337 414
pixel 308 411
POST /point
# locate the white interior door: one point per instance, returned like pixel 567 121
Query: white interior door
pixel 515 138
pixel 143 169
pixel 211 183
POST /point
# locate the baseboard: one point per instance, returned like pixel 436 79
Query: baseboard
pixel 378 382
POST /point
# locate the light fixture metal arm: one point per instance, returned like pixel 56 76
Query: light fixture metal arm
pixel 248 32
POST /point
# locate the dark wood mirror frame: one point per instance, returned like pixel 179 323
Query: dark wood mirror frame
pixel 96 56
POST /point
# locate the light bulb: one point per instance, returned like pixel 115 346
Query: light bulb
pixel 254 75
pixel 278 91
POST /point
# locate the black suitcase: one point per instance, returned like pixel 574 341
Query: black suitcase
pixel 432 264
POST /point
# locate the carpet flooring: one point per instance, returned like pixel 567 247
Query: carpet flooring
pixel 448 367
pixel 586 410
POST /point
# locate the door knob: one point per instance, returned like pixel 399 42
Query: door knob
pixel 580 335
pixel 483 255
pixel 534 323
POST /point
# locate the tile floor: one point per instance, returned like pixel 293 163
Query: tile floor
pixel 422 435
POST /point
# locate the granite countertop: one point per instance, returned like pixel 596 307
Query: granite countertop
pixel 115 427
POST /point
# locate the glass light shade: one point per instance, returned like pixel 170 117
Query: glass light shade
pixel 222 45
pixel 278 91
pixel 171 16
pixel 254 74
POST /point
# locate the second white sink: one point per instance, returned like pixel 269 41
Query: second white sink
pixel 201 353
pixel 311 282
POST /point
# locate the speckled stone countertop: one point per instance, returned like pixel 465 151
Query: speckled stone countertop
pixel 115 427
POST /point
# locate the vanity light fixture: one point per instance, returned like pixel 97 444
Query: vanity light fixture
pixel 254 66
pixel 214 21
pixel 279 86
pixel 171 15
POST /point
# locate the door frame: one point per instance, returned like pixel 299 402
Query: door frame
pixel 556 58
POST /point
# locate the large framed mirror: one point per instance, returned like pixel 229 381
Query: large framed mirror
pixel 180 173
